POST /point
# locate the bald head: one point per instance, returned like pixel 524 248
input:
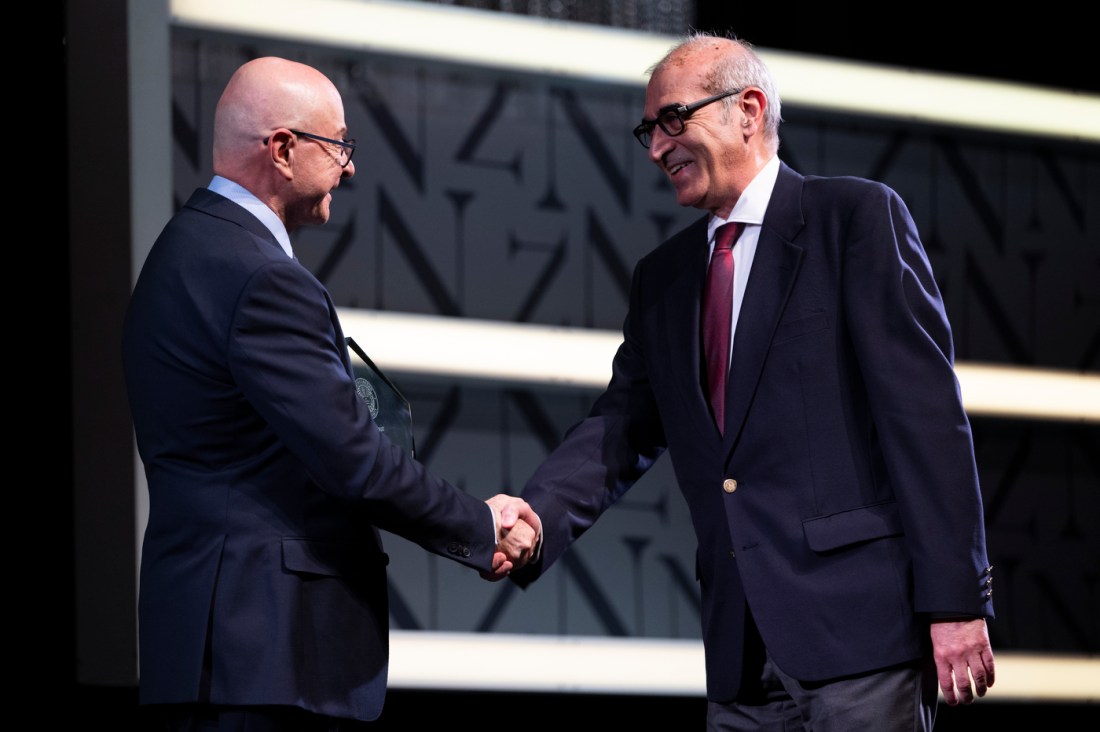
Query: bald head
pixel 265 94
pixel 259 143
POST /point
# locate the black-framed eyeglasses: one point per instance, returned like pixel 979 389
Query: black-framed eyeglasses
pixel 671 119
pixel 347 147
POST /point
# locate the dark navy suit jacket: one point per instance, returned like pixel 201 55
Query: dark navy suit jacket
pixel 842 504
pixel 267 480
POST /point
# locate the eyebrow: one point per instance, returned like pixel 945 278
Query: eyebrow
pixel 662 112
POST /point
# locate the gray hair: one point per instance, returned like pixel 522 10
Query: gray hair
pixel 732 71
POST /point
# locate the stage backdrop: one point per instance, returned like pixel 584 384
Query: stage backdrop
pixel 500 196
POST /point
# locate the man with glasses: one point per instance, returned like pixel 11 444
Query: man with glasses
pixel 801 381
pixel 263 600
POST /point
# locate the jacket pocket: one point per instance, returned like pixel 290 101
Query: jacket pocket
pixel 803 326
pixel 329 558
pixel 878 521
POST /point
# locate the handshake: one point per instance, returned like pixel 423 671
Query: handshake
pixel 519 535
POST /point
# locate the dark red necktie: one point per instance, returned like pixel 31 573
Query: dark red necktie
pixel 717 310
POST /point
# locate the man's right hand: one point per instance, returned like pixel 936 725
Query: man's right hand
pixel 519 535
pixel 520 544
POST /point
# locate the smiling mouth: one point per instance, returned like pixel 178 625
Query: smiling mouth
pixel 674 169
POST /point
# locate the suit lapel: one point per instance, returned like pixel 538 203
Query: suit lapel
pixel 774 270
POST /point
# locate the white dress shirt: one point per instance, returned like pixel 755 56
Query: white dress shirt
pixel 749 210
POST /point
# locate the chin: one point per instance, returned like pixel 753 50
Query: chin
pixel 688 201
pixel 686 196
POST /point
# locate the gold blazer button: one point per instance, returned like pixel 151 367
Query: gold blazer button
pixel 729 485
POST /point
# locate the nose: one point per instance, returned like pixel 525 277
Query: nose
pixel 349 170
pixel 659 143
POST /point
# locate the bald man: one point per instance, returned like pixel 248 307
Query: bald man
pixel 805 394
pixel 263 578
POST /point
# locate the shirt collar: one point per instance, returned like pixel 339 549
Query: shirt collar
pixel 241 196
pixel 753 201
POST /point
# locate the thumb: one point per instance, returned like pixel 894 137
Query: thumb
pixel 508 516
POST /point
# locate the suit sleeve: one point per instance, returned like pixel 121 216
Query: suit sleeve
pixel 902 339
pixel 602 456
pixel 284 354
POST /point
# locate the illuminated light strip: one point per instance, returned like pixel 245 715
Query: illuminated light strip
pixel 619 56
pixel 629 666
pixel 1035 393
pixel 468 348
pixel 977 104
pixel 540 663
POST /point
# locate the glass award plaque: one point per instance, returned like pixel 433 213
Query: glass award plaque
pixel 388 408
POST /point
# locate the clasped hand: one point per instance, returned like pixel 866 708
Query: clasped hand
pixel 519 535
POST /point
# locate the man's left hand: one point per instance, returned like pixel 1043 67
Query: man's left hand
pixel 964 659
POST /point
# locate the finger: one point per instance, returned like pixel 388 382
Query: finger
pixel 501 567
pixel 988 665
pixel 533 520
pixel 962 682
pixel 518 553
pixel 947 684
pixel 981 670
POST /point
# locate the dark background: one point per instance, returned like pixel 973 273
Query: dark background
pixel 1047 44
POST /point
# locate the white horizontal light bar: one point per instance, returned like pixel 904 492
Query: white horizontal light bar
pixel 614 55
pixel 483 349
pixel 579 357
pixel 438 32
pixel 646 666
pixel 541 663
pixel 935 98
pixel 1006 391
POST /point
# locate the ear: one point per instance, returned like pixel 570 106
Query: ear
pixel 752 104
pixel 280 150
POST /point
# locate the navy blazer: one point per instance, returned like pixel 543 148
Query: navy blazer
pixel 267 480
pixel 842 505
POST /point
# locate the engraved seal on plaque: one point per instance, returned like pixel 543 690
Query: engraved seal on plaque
pixel 369 396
